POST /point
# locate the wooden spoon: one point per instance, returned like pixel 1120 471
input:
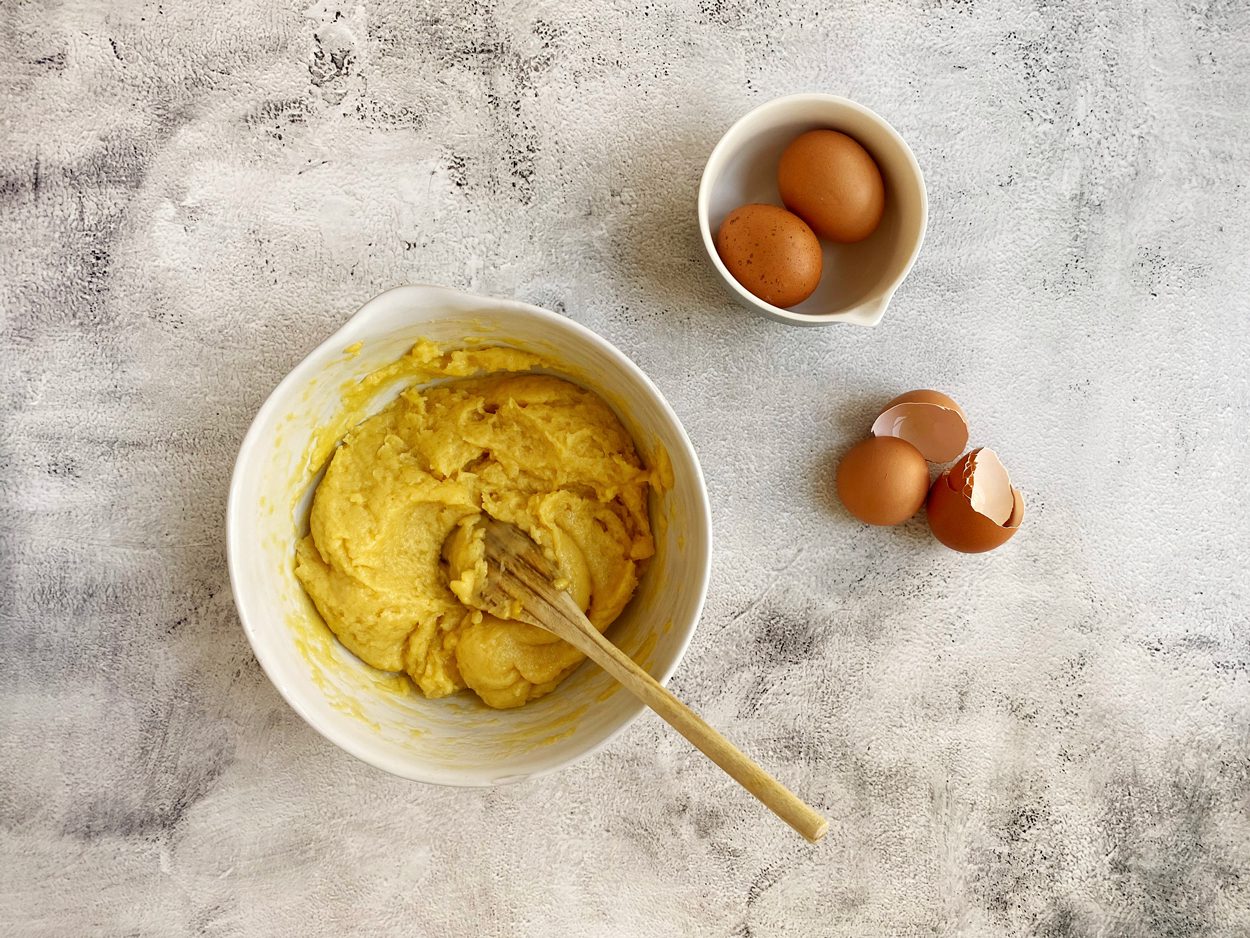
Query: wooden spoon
pixel 518 586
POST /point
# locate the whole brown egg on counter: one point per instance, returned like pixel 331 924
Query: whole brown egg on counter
pixel 883 480
pixel 771 252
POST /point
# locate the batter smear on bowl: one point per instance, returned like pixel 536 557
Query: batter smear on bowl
pixel 530 449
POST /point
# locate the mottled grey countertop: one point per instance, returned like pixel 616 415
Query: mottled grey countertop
pixel 1053 739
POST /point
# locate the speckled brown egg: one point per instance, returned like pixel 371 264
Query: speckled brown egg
pixel 833 184
pixel 771 252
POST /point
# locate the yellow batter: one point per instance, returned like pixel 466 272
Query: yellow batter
pixel 530 449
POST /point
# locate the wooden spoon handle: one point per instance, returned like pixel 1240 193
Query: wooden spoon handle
pixel 744 770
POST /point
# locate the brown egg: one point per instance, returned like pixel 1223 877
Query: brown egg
pixel 772 253
pixel 833 184
pixel 883 480
pixel 972 506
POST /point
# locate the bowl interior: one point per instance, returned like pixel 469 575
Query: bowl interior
pixel 744 169
pixel 383 718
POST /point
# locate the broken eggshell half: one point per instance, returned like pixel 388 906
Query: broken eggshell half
pixel 972 507
pixel 929 421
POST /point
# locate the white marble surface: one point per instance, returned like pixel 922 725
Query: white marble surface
pixel 1051 740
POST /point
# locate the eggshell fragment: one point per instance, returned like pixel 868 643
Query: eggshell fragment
pixel 992 494
pixel 965 500
pixel 929 420
pixel 883 480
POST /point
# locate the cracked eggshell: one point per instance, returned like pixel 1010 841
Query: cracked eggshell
pixel 929 421
pixel 965 500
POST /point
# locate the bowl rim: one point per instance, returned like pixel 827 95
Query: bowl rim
pixel 719 154
pixel 356 744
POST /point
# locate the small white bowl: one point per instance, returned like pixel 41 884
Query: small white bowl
pixel 381 718
pixel 858 279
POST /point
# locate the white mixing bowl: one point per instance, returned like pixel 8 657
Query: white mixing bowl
pixel 383 719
